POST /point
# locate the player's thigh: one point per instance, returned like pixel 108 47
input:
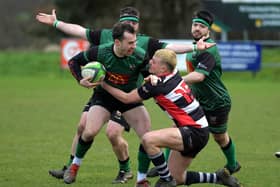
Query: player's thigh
pixel 138 118
pixel 96 118
pixel 83 119
pixel 82 122
pixel 167 137
pixel 114 129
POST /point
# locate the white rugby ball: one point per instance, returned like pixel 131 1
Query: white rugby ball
pixel 94 70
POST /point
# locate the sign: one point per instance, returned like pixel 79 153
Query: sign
pixel 235 56
pixel 181 58
pixel 240 56
pixel 246 14
pixel 70 48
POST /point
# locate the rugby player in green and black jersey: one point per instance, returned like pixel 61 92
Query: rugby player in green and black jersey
pixel 123 62
pixel 204 77
pixel 116 125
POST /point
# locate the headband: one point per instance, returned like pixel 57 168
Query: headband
pixel 201 21
pixel 129 18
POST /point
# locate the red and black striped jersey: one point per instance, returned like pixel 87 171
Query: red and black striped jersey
pixel 174 96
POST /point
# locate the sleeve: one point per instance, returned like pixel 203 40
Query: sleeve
pixel 154 45
pixel 93 36
pixel 206 62
pixel 81 59
pixel 146 91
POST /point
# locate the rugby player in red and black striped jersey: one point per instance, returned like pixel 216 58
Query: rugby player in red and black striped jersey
pixel 173 95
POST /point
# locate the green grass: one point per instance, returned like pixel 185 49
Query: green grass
pixel 40 110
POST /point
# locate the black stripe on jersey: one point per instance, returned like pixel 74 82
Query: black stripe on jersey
pixel 181 102
pixel 167 85
pixel 207 60
pixel 197 114
pixel 92 53
pixel 94 37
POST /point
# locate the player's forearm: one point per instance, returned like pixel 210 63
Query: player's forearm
pixel 75 64
pixel 193 77
pixel 180 48
pixel 118 94
pixel 71 29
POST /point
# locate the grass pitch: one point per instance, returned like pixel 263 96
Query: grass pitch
pixel 39 113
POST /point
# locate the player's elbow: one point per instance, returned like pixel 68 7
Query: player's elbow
pixel 200 77
pixel 125 101
pixel 197 77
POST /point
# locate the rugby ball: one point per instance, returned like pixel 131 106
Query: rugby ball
pixel 95 70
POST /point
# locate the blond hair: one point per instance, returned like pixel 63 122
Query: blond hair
pixel 167 57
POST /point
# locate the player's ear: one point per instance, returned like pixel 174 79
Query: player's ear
pixel 117 42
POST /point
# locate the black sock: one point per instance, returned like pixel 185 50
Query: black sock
pixel 161 166
pixel 124 165
pixel 193 177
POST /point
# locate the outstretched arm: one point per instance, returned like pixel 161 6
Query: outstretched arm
pixel 183 48
pixel 131 97
pixel 68 28
pixel 193 77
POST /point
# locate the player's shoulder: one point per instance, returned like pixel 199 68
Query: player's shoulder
pixel 106 45
pixel 108 31
pixel 104 49
pixel 142 35
pixel 212 49
pixel 139 52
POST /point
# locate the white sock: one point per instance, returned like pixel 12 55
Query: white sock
pixel 77 161
pixel 141 176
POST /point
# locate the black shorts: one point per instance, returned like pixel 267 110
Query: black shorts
pixel 110 103
pixel 194 140
pixel 87 106
pixel 115 116
pixel 114 106
pixel 218 119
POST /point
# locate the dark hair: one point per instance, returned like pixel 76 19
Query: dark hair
pixel 205 15
pixel 129 11
pixel 119 29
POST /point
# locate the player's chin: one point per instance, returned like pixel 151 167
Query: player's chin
pixel 197 37
pixel 129 52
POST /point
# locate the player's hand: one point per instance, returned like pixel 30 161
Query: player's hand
pixel 48 19
pixel 201 45
pixel 152 79
pixel 85 82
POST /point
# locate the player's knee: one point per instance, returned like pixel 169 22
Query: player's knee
pixel 221 139
pixel 112 134
pixel 87 135
pixel 80 128
pixel 147 140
